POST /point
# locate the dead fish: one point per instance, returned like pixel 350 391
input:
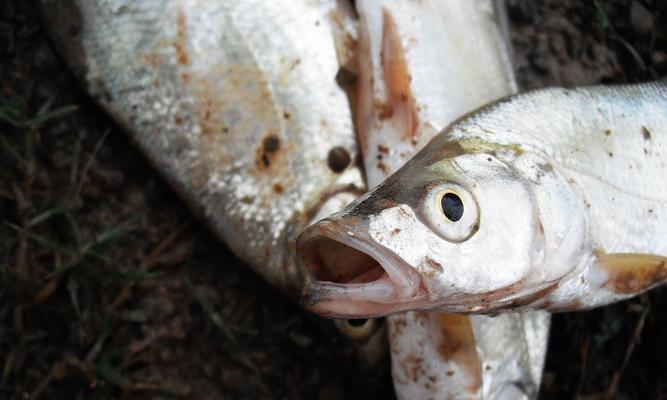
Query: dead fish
pixel 422 65
pixel 554 199
pixel 236 103
pixel 432 80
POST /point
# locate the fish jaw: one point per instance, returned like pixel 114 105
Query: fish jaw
pixel 351 276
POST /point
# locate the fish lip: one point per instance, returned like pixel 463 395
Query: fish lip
pixel 399 287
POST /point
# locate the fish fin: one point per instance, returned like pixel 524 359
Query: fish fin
pixel 458 345
pixel 632 273
pixel 399 104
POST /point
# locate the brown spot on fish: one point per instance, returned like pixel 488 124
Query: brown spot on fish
pixel 286 115
pixel 399 103
pixel 396 231
pixel 180 43
pixel 383 149
pixel 646 133
pixel 185 77
pixel 338 159
pixel 398 324
pixel 432 267
pixel 610 153
pixel 346 76
pixel 449 373
pixel 607 132
pixel 631 273
pixel 267 151
pixel 178 119
pixel 413 366
pixel 457 344
pixel 152 59
pixel 295 63
pixel 383 167
pixel 278 188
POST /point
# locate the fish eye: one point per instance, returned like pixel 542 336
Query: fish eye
pixel 452 206
pixel 451 211
pixel 357 329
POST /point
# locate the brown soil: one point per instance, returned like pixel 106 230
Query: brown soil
pixel 110 289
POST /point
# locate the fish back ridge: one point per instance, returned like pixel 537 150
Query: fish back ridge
pixel 610 142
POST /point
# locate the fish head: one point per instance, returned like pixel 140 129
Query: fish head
pixel 459 227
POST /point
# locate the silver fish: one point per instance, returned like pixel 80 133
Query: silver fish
pixel 416 75
pixel 225 98
pixel 554 199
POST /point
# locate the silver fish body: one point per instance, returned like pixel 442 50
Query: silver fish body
pixel 225 98
pixel 563 189
pixel 416 75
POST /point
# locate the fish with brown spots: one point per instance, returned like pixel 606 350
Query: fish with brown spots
pixel 235 102
pixel 416 76
pixel 521 205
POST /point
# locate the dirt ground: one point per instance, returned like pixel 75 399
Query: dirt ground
pixel 109 288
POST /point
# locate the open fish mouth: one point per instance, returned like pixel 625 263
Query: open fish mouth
pixel 351 276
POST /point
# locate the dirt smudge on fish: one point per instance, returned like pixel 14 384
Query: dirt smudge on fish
pixel 267 151
pixel 338 159
pixel 646 133
pixel 180 43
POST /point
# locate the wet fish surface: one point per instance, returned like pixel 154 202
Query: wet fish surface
pixel 416 75
pixel 224 98
pixel 563 189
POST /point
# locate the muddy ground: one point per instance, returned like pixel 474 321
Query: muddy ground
pixel 109 288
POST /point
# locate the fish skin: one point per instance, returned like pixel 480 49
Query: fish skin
pixel 457 69
pixel 415 77
pixel 224 102
pixel 584 173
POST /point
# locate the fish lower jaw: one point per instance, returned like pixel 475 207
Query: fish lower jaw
pixel 360 300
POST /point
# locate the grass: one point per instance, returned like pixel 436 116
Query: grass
pixel 56 262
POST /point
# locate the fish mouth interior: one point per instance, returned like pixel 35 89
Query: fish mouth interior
pixel 351 277
pixel 330 260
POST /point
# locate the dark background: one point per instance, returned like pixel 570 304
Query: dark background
pixel 110 289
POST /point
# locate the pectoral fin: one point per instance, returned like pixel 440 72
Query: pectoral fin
pixel 631 273
pixel 608 278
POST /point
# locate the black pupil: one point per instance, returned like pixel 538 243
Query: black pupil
pixel 452 206
pixel 357 323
